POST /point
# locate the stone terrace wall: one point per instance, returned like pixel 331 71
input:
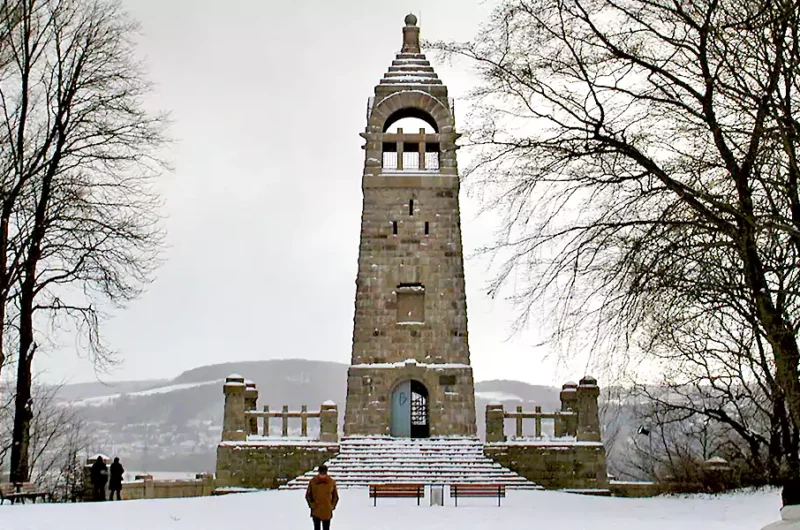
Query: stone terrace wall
pixel 269 465
pixel 575 465
pixel 147 488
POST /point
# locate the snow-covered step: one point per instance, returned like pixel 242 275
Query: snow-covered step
pixel 370 460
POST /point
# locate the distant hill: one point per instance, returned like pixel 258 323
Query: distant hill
pixel 175 425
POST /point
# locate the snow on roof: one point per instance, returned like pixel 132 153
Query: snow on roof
pixel 260 441
pixel 431 366
pixel 556 444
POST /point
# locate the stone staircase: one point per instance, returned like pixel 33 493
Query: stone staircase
pixel 364 461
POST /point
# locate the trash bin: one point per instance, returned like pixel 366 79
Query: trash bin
pixel 437 495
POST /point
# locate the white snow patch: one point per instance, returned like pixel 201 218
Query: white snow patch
pixel 497 396
pixel 104 400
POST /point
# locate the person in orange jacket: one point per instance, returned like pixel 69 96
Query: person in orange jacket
pixel 322 498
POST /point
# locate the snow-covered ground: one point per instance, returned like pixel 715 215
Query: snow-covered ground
pixel 286 510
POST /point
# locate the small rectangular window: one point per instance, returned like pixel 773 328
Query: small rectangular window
pixel 447 380
pixel 411 207
pixel 394 227
pixel 427 228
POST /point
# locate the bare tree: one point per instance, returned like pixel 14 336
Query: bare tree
pixel 59 438
pixel 79 152
pixel 645 152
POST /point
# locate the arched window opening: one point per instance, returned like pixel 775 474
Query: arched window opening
pixel 411 125
pixel 410 113
pixel 411 141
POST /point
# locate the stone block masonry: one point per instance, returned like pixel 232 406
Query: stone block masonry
pixel 568 465
pixel 451 406
pixel 269 465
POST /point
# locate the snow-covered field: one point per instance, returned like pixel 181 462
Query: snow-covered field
pixel 286 510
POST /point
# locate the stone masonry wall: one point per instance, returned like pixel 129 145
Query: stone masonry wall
pixel 566 466
pixel 435 262
pixel 147 488
pixel 451 407
pixel 387 260
pixel 268 466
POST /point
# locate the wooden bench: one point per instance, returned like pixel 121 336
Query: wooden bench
pixel 20 492
pixel 396 490
pixel 477 490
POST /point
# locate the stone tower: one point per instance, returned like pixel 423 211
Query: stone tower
pixel 410 374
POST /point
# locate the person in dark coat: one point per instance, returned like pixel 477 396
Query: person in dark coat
pixel 99 476
pixel 115 480
pixel 322 498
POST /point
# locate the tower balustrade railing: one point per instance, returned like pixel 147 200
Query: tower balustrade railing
pixel 564 423
pixel 254 417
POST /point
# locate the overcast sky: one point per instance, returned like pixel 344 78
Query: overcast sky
pixel 263 209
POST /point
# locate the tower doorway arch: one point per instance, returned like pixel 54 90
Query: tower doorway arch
pixel 410 411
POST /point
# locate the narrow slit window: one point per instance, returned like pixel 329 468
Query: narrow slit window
pixel 394 227
pixel 427 228
pixel 411 207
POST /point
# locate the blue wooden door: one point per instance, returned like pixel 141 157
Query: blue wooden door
pixel 401 410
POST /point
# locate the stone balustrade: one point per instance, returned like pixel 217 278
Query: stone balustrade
pixel 578 417
pixel 241 417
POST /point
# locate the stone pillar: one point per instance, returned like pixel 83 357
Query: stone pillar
pixel 251 403
pixel 149 487
pixel 329 422
pixel 567 426
pixel 588 412
pixel 495 419
pixel 233 424
pixel 208 483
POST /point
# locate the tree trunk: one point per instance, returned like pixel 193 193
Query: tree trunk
pixel 23 410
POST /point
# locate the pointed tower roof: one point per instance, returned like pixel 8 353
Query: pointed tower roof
pixel 410 67
pixel 411 82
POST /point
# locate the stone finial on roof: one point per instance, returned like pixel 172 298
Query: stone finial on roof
pixel 410 35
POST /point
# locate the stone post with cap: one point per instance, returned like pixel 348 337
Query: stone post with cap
pixel 567 425
pixel 329 422
pixel 588 411
pixel 233 422
pixel 251 403
pixel 495 422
